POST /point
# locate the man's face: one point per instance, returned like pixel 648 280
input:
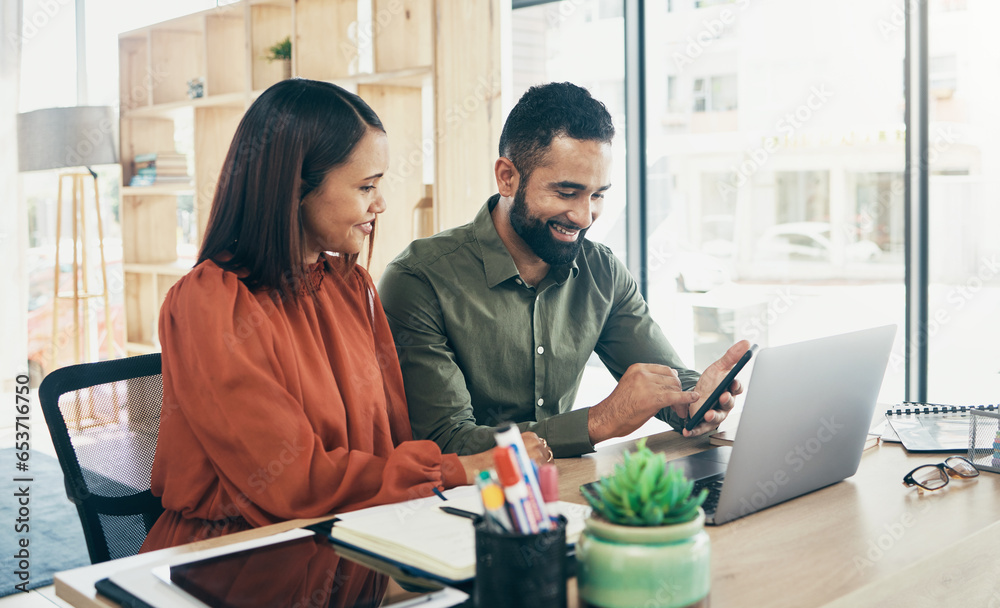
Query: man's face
pixel 555 206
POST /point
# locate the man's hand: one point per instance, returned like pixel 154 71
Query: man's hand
pixel 714 374
pixel 644 389
pixel 536 448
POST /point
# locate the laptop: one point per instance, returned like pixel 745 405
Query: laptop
pixel 804 423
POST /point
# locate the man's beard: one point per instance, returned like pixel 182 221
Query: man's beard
pixel 538 236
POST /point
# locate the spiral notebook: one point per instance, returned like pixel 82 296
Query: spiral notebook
pixel 932 427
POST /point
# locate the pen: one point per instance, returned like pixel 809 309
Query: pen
pixel 459 512
pixel 514 489
pixel 493 503
pixel 510 436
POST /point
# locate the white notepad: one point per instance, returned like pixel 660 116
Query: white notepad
pixel 419 534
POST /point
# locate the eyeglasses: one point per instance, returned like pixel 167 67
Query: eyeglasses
pixel 935 476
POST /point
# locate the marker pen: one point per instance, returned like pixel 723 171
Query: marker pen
pixel 510 436
pixel 514 489
pixel 548 477
pixel 494 505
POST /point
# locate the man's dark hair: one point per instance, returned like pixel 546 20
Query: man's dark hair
pixel 547 111
pixel 286 143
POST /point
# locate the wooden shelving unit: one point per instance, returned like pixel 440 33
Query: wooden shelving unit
pixel 419 50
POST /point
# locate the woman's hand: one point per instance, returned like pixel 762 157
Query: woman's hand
pixel 536 448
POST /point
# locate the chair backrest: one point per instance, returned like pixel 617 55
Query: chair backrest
pixel 104 418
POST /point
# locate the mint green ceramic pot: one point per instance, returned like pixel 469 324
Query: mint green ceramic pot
pixel 644 567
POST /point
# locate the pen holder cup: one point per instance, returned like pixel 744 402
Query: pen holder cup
pixel 526 570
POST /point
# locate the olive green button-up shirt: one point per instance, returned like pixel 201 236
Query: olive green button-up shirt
pixel 479 347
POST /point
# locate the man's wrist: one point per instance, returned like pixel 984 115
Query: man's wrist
pixel 595 425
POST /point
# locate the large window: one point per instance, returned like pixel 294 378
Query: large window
pixel 48 79
pixel 580 41
pixel 775 159
pixel 775 208
pixel 964 149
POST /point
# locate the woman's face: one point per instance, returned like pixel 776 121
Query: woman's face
pixel 339 214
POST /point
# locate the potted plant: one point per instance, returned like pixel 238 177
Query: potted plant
pixel 645 543
pixel 282 51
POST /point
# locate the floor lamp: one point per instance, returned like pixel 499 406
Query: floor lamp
pixel 74 137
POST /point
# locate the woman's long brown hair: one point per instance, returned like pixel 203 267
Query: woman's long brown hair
pixel 286 143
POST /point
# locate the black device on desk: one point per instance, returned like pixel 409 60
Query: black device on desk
pixel 289 572
pixel 727 382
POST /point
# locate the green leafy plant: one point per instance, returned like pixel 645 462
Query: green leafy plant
pixel 281 51
pixel 644 491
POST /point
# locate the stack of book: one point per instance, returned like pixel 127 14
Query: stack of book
pixel 159 168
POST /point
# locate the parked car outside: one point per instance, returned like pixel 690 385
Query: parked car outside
pixel 809 242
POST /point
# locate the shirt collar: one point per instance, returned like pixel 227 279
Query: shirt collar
pixel 497 262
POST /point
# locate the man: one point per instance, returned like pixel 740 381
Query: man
pixel 495 320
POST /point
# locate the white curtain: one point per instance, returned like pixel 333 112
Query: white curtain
pixel 13 210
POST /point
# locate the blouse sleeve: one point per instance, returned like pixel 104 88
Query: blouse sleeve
pixel 231 418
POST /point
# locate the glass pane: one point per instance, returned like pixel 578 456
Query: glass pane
pixel 724 96
pixel 581 42
pixel 964 365
pixel 775 172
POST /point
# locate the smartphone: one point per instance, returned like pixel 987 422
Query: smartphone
pixel 713 399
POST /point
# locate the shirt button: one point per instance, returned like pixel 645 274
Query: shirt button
pixel 518 281
pixel 541 349
pixel 541 401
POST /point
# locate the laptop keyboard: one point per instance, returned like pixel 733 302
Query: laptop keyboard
pixel 714 487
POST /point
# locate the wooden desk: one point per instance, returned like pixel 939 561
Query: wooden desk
pixel 867 541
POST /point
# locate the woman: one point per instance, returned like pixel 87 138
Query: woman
pixel 282 395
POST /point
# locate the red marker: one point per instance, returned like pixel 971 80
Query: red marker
pixel 514 489
pixel 548 479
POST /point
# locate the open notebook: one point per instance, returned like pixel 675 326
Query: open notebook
pixel 932 427
pixel 423 540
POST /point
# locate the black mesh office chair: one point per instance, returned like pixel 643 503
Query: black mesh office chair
pixel 114 410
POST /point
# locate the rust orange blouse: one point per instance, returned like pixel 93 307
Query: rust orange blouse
pixel 275 409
